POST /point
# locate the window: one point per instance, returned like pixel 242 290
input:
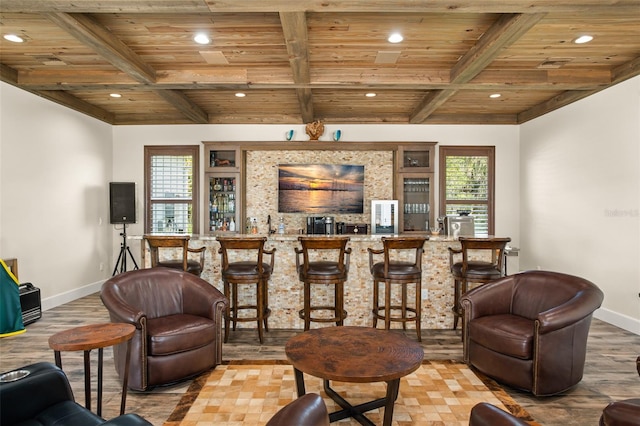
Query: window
pixel 171 189
pixel 467 184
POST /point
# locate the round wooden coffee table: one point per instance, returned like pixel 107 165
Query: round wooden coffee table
pixel 357 355
pixel 87 338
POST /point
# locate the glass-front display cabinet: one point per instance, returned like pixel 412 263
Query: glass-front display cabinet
pixel 416 197
pixel 224 206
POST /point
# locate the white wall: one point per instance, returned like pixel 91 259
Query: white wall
pixel 55 165
pixel 580 186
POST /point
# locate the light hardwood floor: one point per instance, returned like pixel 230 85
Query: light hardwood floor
pixel 609 375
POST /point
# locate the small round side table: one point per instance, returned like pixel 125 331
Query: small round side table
pixel 87 338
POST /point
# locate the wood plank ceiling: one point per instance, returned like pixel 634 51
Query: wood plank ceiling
pixel 303 60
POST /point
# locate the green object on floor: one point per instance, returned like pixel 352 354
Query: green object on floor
pixel 10 310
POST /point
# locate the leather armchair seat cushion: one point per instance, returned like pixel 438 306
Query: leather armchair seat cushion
pixel 179 333
pixel 246 268
pixel 507 334
pixel 406 269
pixel 477 270
pixel 621 413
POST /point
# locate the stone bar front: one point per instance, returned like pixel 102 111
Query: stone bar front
pixel 286 292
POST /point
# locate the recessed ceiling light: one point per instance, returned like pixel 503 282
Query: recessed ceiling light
pixel 240 95
pixel 14 38
pixel 583 39
pixel 370 95
pixel 495 95
pixel 202 38
pixel 395 38
pixel 115 95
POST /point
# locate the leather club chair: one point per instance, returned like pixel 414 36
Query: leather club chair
pixel 529 330
pixel 44 398
pixel 485 414
pixel 622 413
pixel 178 320
pixel 308 410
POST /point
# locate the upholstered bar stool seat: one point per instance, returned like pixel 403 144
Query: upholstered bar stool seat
pixel 241 271
pixel 324 261
pixel 394 270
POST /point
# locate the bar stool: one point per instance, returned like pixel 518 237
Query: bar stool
pixel 395 269
pixel 475 270
pixel 325 260
pixel 247 267
pixel 160 242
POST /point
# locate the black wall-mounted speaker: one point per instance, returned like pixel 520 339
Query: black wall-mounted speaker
pixel 122 202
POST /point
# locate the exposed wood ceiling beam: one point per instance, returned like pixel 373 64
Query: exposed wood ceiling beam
pixel 89 32
pixel 504 32
pixel 626 71
pixel 294 28
pixel 11 76
pixel 183 104
pixel 400 6
pixel 347 78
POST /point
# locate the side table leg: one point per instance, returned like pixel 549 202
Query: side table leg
pixel 100 370
pixel 393 387
pixel 87 380
pixel 299 382
pixel 56 356
pixel 125 380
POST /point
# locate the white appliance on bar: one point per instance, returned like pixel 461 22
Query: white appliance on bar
pixel 459 226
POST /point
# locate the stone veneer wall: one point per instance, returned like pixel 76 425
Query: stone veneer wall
pixel 286 295
pixel 261 182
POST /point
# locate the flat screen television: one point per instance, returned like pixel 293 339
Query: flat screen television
pixel 320 188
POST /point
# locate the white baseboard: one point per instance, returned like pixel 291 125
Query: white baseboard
pixel 69 296
pixel 619 320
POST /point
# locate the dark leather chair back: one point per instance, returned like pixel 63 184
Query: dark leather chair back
pixel 308 410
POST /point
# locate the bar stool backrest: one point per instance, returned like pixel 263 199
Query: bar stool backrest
pixel 495 245
pixel 158 242
pixel 395 246
pixel 230 250
pixel 324 244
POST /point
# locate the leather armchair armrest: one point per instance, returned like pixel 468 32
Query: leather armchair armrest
pixel 45 386
pixel 485 414
pixel 493 298
pixel 202 299
pixel 121 311
pixel 580 306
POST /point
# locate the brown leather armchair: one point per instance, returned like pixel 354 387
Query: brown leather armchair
pixel 178 320
pixel 485 414
pixel 530 330
pixel 308 410
pixel 622 413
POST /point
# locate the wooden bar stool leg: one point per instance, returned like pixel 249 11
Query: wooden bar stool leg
pixel 339 302
pixel 419 310
pixel 260 308
pixel 227 314
pixel 376 303
pixel 234 310
pixel 403 306
pixel 265 306
pixel 387 305
pixel 307 306
pixel 456 302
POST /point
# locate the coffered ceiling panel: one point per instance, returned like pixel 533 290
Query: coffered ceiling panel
pixel 304 60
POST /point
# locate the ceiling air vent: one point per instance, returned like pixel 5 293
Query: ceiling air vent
pixel 387 57
pixel 49 60
pixel 554 63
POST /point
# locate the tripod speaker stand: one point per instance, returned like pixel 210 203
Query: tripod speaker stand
pixel 124 250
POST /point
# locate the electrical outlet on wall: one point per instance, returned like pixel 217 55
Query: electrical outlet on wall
pixel 425 294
